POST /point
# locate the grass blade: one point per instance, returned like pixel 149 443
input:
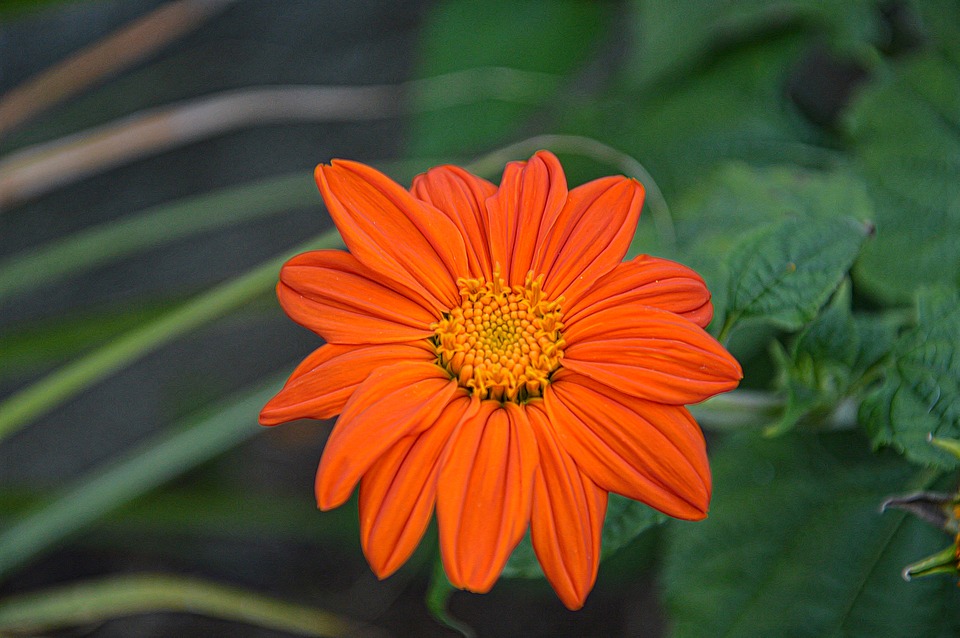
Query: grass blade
pixel 81 251
pixel 71 379
pixel 169 454
pixel 98 600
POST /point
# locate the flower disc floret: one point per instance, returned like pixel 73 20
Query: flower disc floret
pixel 502 342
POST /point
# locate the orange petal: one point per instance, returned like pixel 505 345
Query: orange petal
pixel 646 281
pixel 461 196
pixel 647 451
pixel 399 490
pixel 527 204
pixel 393 402
pixel 393 233
pixel 566 522
pixel 321 385
pixel 485 493
pixel 590 237
pixel 649 353
pixel 331 293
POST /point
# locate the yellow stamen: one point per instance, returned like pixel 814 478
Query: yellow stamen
pixel 502 342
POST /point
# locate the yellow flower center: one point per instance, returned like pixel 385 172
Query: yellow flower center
pixel 502 342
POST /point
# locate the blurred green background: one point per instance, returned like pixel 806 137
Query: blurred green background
pixel 156 167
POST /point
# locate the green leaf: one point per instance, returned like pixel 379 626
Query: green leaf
pixel 827 363
pixel 795 545
pixel 626 519
pixel 817 370
pixel 920 396
pixel 733 108
pixel 674 34
pixel 940 22
pixel 785 272
pixel 712 216
pixel 547 37
pixel 906 131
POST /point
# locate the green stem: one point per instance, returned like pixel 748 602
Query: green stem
pixel 64 383
pixel 438 595
pixel 728 323
pixel 99 600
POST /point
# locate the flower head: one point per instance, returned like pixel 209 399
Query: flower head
pixel 492 358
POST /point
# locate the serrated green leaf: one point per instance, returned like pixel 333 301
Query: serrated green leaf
pixel 795 545
pixel 906 130
pixel 921 393
pixel 817 370
pixel 832 335
pixel 737 197
pixel 713 216
pixel 626 519
pixel 785 272
pixel 828 362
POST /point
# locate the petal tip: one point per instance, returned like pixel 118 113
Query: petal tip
pixel 330 493
pixel 272 414
pixel 267 418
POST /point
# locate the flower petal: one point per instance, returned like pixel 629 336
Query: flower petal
pixel 393 233
pixel 324 381
pixel 393 402
pixel 651 354
pixel 647 451
pixel 334 295
pixel 485 493
pixel 646 281
pixel 527 204
pixel 566 522
pixel 399 490
pixel 461 196
pixel 590 237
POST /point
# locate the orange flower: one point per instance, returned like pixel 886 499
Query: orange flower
pixel 491 357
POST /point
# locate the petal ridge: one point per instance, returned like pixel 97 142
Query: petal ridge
pixel 651 354
pixel 647 281
pixel 566 522
pixel 462 197
pixel 525 207
pixel 392 402
pixel 392 232
pixel 646 451
pixel 485 493
pixel 323 382
pixel 590 236
pixel 398 492
pixel 331 293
